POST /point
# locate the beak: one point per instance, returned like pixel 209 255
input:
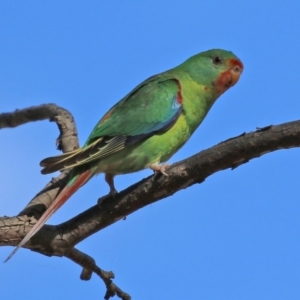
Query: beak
pixel 235 71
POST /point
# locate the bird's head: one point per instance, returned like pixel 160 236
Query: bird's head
pixel 216 69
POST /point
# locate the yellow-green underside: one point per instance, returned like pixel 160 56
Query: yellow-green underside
pixel 156 149
pixel 159 148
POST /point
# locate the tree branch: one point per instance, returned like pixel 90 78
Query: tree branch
pixel 66 141
pixel 68 138
pixel 60 240
pixel 89 266
pixel 228 154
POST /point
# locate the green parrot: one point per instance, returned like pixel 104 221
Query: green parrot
pixel 147 126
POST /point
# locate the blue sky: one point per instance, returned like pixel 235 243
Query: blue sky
pixel 236 236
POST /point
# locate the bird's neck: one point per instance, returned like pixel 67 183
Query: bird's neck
pixel 197 101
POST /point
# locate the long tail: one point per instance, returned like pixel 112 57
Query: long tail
pixel 74 184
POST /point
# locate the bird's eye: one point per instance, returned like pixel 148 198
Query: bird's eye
pixel 216 60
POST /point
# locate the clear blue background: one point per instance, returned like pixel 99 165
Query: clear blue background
pixel 236 236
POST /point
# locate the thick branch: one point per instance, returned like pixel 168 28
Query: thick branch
pixel 60 240
pixel 228 154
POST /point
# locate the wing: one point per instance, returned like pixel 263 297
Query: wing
pixel 148 108
pixel 151 108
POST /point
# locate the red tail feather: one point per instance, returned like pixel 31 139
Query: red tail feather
pixel 63 196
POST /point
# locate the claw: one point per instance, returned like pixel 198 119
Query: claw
pixel 159 168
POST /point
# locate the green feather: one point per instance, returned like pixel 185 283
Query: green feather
pixel 156 118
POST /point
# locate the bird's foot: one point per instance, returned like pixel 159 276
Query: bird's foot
pixel 109 178
pixel 156 168
pixel 103 199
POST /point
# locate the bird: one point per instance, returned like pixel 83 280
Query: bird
pixel 146 127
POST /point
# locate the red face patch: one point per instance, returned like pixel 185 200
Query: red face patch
pixel 223 82
pixel 229 77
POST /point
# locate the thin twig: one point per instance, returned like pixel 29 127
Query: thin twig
pixel 68 138
pixel 89 266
